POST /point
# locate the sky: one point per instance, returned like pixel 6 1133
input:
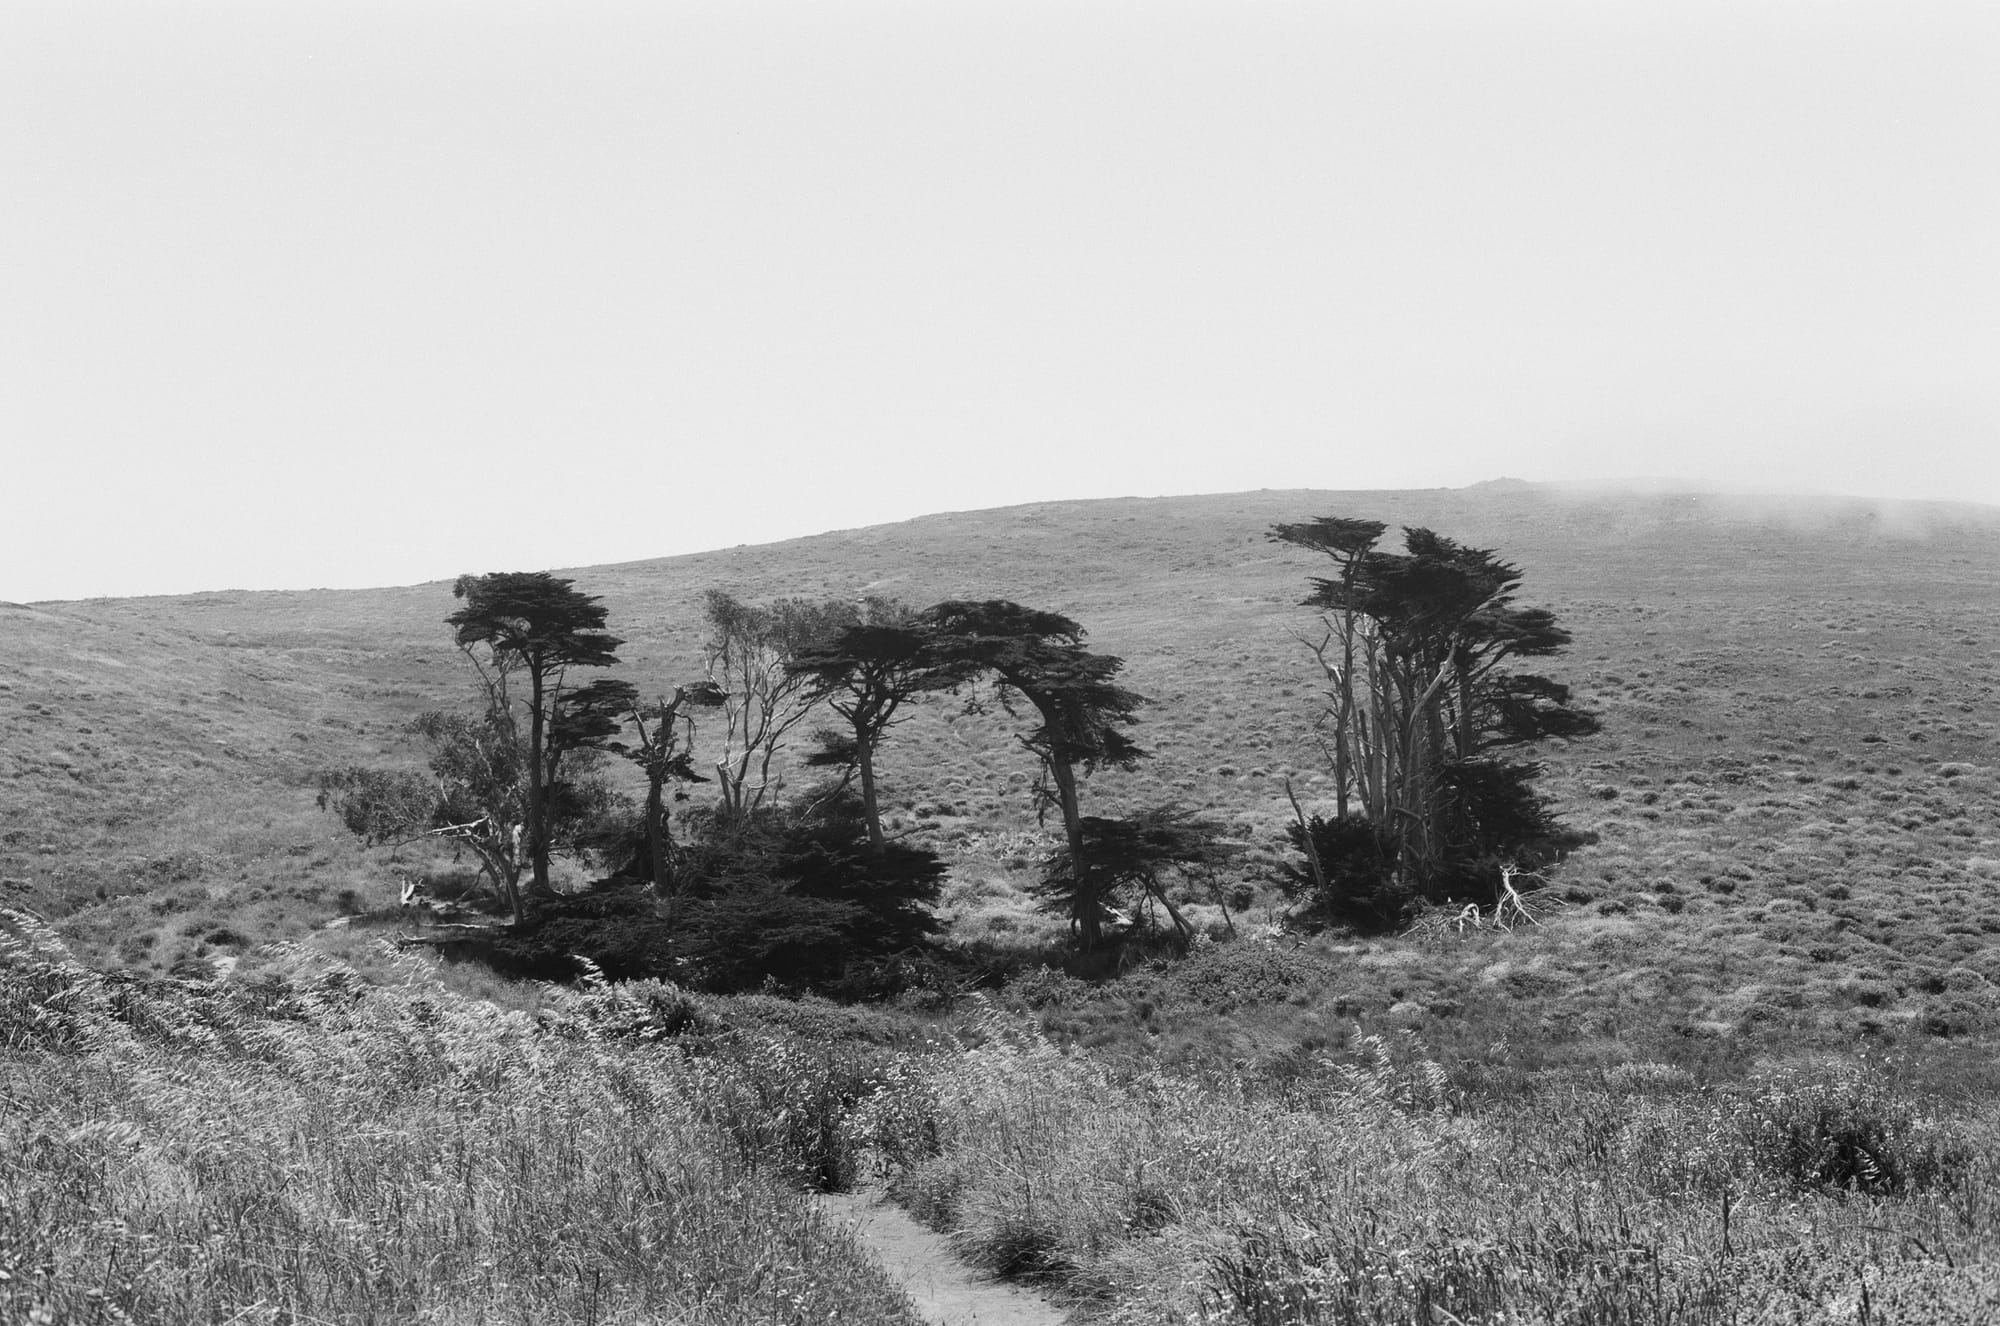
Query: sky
pixel 376 292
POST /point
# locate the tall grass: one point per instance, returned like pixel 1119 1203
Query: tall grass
pixel 1375 1194
pixel 306 1147
pixel 310 1150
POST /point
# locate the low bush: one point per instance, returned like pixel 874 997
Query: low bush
pixel 646 1010
pixel 1831 1126
pixel 1226 976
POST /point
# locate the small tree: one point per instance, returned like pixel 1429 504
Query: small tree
pixel 864 673
pixel 1084 712
pixel 537 626
pixel 664 753
pixel 749 649
pixel 472 797
pixel 1414 647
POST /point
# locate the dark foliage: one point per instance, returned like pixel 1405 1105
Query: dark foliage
pixel 795 896
pixel 1504 822
pixel 754 930
pixel 1135 861
pixel 865 673
pixel 617 926
pixel 827 856
pixel 1357 889
pixel 800 896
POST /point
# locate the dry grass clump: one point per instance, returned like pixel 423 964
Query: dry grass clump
pixel 1374 1192
pixel 314 1150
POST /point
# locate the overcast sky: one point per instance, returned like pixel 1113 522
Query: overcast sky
pixel 297 294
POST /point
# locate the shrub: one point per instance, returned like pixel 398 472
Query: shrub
pixel 794 896
pixel 618 929
pixel 646 1010
pixel 1046 987
pixel 1355 885
pixel 798 895
pixel 756 930
pixel 1246 972
pixel 1832 1126
pixel 816 1021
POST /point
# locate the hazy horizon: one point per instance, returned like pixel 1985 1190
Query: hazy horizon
pixel 344 293
pixel 1908 517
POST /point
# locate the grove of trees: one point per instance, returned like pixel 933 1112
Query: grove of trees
pixel 1424 720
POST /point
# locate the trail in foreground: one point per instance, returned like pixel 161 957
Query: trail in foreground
pixel 944 1288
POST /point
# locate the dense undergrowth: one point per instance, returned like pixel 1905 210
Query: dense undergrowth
pixel 308 1148
pixel 305 1146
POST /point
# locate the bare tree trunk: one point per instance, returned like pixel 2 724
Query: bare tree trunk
pixel 864 751
pixel 1306 838
pixel 538 829
pixel 1157 891
pixel 656 834
pixel 504 860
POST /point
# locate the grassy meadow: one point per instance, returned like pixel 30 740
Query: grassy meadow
pixel 1736 1066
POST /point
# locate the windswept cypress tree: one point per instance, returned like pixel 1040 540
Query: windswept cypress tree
pixel 1040 656
pixel 865 672
pixel 1416 648
pixel 536 625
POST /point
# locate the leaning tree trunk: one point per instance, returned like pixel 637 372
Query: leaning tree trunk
pixel 499 854
pixel 1085 912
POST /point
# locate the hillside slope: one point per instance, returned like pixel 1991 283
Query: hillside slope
pixel 1798 766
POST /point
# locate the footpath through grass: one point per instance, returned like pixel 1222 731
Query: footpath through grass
pixel 303 1147
pixel 1815 1191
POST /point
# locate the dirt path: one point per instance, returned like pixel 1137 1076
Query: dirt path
pixel 944 1288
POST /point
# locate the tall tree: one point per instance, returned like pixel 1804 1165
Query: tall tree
pixel 865 672
pixel 1040 657
pixel 747 655
pixel 1414 647
pixel 536 626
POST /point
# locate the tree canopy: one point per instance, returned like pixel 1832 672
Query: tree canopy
pixel 1083 712
pixel 748 656
pixel 866 672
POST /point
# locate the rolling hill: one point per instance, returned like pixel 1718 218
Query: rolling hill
pixel 1795 798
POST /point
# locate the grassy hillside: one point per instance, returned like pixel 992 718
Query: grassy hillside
pixel 1795 794
pixel 1739 1070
